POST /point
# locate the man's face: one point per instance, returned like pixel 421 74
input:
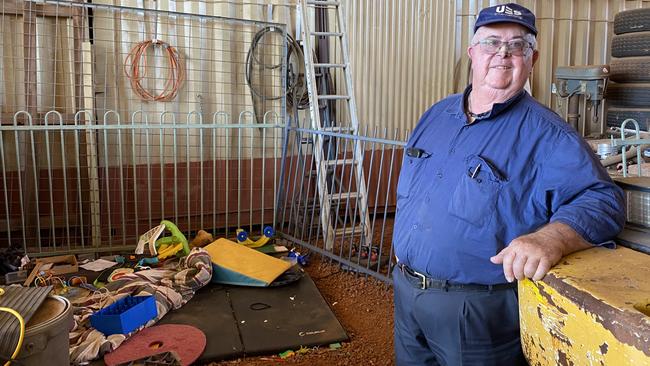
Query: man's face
pixel 503 71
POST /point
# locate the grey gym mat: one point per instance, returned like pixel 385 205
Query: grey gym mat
pixel 240 321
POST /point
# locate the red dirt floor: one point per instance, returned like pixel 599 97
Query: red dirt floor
pixel 363 306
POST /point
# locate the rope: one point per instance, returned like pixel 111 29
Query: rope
pixel 136 60
pixel 104 297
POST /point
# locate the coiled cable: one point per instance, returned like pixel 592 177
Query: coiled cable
pixel 296 87
pixel 136 61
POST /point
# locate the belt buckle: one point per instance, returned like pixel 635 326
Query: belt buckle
pixel 423 278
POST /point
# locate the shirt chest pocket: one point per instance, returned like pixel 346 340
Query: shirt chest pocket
pixel 410 166
pixel 475 197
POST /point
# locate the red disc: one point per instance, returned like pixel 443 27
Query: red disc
pixel 186 341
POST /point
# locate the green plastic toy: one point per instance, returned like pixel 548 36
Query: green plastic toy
pixel 175 244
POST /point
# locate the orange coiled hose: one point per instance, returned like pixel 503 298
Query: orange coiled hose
pixel 136 61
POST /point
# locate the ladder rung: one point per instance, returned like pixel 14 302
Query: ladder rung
pixel 333 97
pixel 323 3
pixel 340 162
pixel 330 65
pixel 356 230
pixel 327 34
pixel 343 195
pixel 338 129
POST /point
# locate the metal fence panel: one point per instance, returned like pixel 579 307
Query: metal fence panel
pixel 91 156
pixel 298 212
pixel 113 182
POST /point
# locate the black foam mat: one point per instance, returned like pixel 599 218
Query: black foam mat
pixel 276 319
pixel 210 311
pixel 240 321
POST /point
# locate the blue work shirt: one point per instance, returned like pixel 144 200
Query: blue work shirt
pixel 468 190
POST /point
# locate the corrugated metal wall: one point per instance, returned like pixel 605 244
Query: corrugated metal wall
pixel 403 57
pixel 409 54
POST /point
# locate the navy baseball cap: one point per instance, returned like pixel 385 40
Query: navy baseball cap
pixel 506 13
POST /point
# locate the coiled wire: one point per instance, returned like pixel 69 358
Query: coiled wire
pixel 136 60
pixel 296 87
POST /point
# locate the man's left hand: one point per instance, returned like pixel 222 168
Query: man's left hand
pixel 533 255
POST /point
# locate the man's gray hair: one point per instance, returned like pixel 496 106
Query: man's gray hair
pixel 530 38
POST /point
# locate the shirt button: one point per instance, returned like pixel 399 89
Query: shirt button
pixel 415 226
pixel 452 150
pixel 439 174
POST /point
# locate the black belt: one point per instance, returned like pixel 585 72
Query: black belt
pixel 424 282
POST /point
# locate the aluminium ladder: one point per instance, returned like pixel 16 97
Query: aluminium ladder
pixel 327 195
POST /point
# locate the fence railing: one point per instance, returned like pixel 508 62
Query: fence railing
pixel 72 186
pixel 299 204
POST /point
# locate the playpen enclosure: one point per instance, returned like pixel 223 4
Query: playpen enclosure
pixel 87 166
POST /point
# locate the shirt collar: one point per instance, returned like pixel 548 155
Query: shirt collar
pixel 458 109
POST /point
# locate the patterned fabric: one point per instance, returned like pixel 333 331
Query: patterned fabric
pixel 173 285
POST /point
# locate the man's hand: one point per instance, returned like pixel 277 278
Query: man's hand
pixel 532 255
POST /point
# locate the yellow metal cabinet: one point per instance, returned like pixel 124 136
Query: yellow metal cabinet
pixel 593 308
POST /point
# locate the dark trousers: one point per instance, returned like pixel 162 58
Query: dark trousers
pixel 449 328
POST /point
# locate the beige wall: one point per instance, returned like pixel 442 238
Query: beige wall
pixel 403 57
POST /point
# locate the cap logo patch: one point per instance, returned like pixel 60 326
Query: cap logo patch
pixel 507 10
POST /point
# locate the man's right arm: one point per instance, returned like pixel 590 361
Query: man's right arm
pixel 586 209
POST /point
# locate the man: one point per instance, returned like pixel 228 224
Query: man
pixel 494 188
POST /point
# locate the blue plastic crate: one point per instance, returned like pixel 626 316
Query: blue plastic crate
pixel 125 315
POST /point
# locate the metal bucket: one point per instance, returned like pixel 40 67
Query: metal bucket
pixel 47 334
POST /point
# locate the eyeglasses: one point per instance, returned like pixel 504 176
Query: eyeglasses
pixel 516 47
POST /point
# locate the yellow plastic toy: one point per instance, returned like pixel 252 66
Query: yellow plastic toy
pixel 267 234
pixel 176 244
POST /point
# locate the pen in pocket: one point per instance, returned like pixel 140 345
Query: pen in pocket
pixel 475 171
